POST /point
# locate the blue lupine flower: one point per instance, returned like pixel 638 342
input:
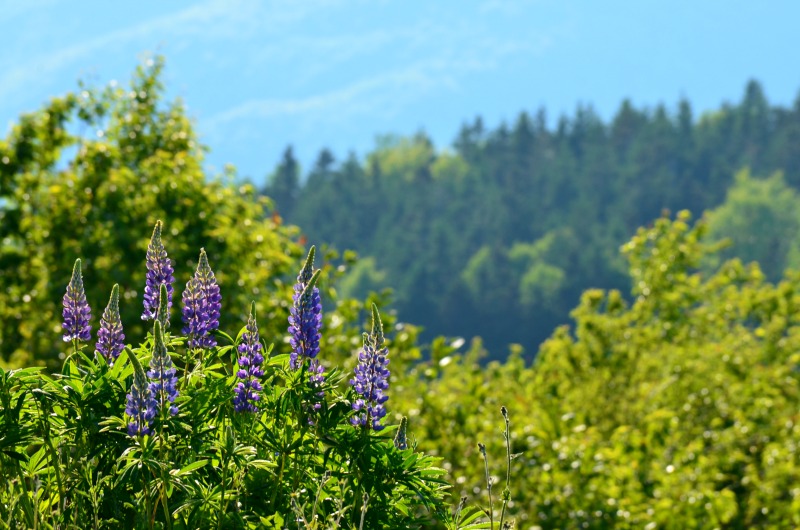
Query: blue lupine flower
pixel 305 320
pixel 246 394
pixel 110 339
pixel 201 306
pixel 163 381
pixel 76 309
pixel 371 378
pixel 159 272
pixel 141 406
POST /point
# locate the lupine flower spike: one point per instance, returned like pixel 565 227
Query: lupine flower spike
pixel 401 438
pixel 159 272
pixel 305 320
pixel 76 309
pixel 110 339
pixel 141 405
pixel 371 378
pixel 201 306
pixel 163 381
pixel 162 315
pixel 246 394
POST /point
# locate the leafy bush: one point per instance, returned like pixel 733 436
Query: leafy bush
pixel 678 410
pixel 82 176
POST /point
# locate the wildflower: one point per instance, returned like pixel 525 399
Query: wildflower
pixel 141 405
pixel 110 339
pixel 159 272
pixel 305 320
pixel 400 439
pixel 163 381
pixel 246 395
pixel 76 309
pixel 201 306
pixel 371 378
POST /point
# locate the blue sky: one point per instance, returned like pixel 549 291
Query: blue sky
pixel 258 75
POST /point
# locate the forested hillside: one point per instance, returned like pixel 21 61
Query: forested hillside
pixel 498 235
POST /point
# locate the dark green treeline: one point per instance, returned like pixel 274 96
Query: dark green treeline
pixel 499 235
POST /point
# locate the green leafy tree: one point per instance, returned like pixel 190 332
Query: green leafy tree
pixel 88 176
pixel 761 220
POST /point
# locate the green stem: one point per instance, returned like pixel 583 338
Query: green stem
pixel 151 513
pixel 164 502
pixel 53 457
pixel 27 494
pixel 163 488
pixel 488 485
pixel 297 463
pixel 280 479
pixel 364 503
pixel 186 367
pixel 507 491
pixel 221 515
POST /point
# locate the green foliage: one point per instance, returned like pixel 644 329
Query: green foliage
pixel 761 219
pixel 676 410
pixel 540 281
pixel 361 278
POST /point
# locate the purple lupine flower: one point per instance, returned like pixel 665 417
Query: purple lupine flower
pixel 246 394
pixel 163 381
pixel 110 339
pixel 305 320
pixel 141 406
pixel 201 306
pixel 76 309
pixel 159 272
pixel 371 378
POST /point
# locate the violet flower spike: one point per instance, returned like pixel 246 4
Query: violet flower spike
pixel 246 394
pixel 159 272
pixel 371 378
pixel 163 381
pixel 305 319
pixel 141 405
pixel 201 306
pixel 110 339
pixel 77 312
